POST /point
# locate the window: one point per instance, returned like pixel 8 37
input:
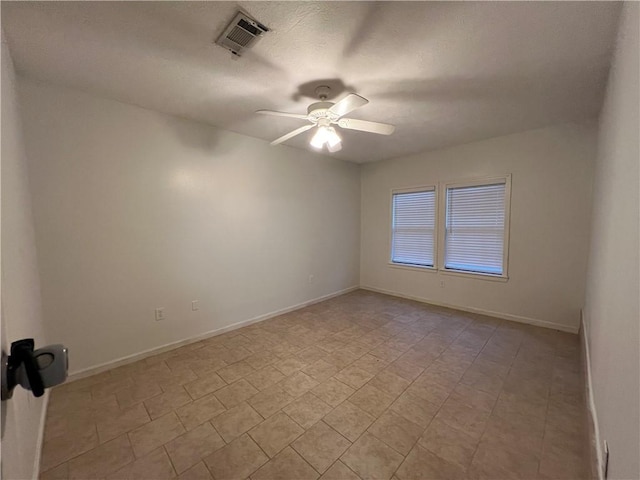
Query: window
pixel 413 227
pixel 476 227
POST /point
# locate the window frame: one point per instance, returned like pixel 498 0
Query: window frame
pixel 478 182
pixel 439 240
pixel 422 188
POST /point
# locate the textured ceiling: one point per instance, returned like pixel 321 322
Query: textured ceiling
pixel 444 73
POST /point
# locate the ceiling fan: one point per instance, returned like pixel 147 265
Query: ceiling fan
pixel 323 115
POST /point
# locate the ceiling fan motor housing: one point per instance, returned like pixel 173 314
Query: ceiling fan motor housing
pixel 319 110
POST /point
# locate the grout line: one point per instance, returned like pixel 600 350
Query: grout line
pixel 166 452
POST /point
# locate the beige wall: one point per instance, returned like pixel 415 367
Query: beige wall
pixel 611 310
pixel 136 210
pixel 23 415
pixel 550 206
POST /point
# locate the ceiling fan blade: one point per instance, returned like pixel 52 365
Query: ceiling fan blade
pixel 348 104
pixel 289 135
pixel 366 126
pixel 282 114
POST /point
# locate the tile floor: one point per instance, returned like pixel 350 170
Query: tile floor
pixel 363 386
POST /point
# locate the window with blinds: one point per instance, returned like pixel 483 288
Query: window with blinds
pixel 475 228
pixel 413 226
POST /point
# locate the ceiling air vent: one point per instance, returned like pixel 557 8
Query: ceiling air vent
pixel 241 33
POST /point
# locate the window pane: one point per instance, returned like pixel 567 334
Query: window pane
pixel 475 228
pixel 413 228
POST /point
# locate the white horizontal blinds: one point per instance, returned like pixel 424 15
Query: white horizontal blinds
pixel 413 228
pixel 474 233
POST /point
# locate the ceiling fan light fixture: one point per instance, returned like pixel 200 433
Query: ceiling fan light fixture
pixel 333 139
pixel 328 136
pixel 319 139
pixel 334 148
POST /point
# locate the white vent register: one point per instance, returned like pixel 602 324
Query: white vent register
pixel 241 33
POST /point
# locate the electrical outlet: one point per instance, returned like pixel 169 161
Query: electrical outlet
pixel 311 279
pixel 159 314
pixel 441 283
pixel 606 460
pixel 195 306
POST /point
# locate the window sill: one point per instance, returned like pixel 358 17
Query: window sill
pixel 479 276
pixel 405 266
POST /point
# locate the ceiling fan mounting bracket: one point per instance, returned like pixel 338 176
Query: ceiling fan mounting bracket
pixel 322 91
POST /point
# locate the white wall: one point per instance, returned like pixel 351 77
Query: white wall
pixel 550 206
pixel 611 312
pixel 136 210
pixel 22 416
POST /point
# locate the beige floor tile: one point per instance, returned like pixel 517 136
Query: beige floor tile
pixel 311 354
pixel 514 431
pixel 349 420
pixel 526 380
pixel 405 370
pixel 389 382
pixel 168 401
pixel 103 460
pixel 204 385
pixel 235 393
pixel 111 386
pixel 333 392
pixel 353 376
pixel 275 433
pixel 396 431
pixel 137 393
pixel 155 465
pixel 491 384
pixel 148 437
pixel 286 465
pixel 372 400
pixel 289 365
pixel 561 463
pixel 198 472
pixel 421 464
pixel 370 363
pixel 321 446
pixel 200 411
pixel 429 391
pixel 449 443
pixel 414 409
pixel 320 370
pixel 262 359
pixel 61 448
pixel 490 463
pixel 235 354
pixel 307 410
pixel 473 397
pixel 386 352
pixel 467 419
pixel 124 421
pixel 188 449
pixel 372 459
pixel 236 421
pixel 270 400
pixel 236 371
pixel 265 377
pixel 343 358
pixel 297 384
pixel 339 471
pixel 237 460
pixel 61 472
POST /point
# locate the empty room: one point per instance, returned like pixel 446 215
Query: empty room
pixel 320 240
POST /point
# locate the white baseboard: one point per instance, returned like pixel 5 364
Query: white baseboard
pixel 86 372
pixel 591 404
pixel 505 316
pixel 40 441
